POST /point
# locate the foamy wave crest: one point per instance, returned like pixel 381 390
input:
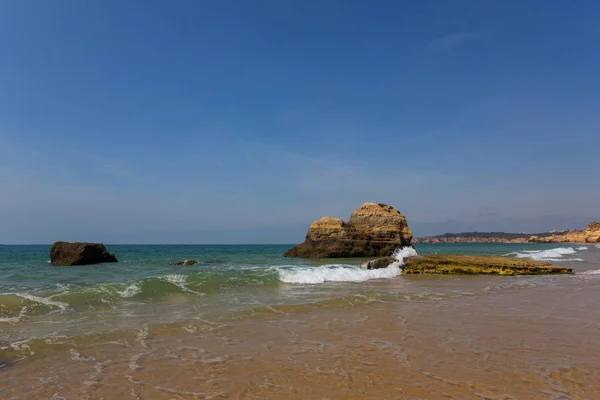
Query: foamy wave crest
pixel 591 272
pixel 180 281
pixel 174 278
pixel 401 253
pixel 556 254
pixel 335 273
pixel 43 300
pixel 344 273
pixel 130 290
pixel 582 248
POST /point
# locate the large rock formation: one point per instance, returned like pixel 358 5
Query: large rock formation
pixel 374 230
pixel 469 265
pixel 66 253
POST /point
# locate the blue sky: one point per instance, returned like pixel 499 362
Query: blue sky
pixel 241 122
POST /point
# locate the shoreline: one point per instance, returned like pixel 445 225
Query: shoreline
pixel 494 343
pixel 251 324
pixel 21 349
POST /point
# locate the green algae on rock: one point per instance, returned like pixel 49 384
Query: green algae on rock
pixel 468 265
pixel 476 265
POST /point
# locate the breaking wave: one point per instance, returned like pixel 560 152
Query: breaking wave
pixel 46 301
pixel 130 290
pixel 14 306
pixel 557 254
pixel 343 272
pixel 335 273
pixel 590 272
pixel 403 252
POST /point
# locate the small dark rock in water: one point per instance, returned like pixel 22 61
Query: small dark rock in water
pixel 378 263
pixel 186 262
pixel 66 253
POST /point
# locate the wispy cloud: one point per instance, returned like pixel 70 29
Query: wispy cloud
pixel 279 190
pixel 449 42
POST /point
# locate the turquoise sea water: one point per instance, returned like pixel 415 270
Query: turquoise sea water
pixel 145 287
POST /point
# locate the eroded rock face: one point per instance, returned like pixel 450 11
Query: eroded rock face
pixel 374 230
pixel 591 234
pixel 327 228
pixel 545 239
pixel 67 253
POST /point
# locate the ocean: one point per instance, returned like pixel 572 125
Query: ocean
pixel 248 323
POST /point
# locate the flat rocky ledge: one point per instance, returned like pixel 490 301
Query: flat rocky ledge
pixel 475 265
pixel 472 265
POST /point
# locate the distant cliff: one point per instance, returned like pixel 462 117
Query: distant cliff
pixel 591 234
pixel 476 237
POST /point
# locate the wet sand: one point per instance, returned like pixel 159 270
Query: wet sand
pixel 528 342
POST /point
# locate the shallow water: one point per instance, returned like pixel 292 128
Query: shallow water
pixel 235 327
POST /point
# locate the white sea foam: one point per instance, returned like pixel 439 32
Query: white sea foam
pixel 335 273
pixel 133 362
pixel 43 300
pixel 76 356
pixel 403 252
pixel 342 272
pixel 130 290
pixel 174 278
pixel 556 254
pixel 23 345
pixel 142 336
pixel 590 272
pixel 10 320
pixel 582 248
pixel 180 281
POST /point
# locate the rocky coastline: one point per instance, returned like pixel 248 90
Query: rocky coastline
pixel 378 230
pixel 591 234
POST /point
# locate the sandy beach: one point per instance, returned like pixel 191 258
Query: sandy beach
pixel 407 337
